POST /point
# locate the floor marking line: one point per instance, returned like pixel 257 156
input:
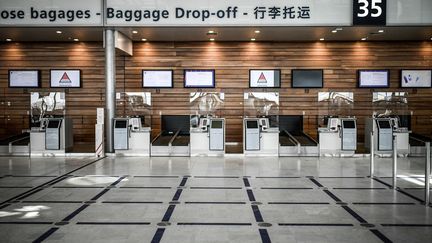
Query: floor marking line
pixel 250 195
pixel 354 214
pixel 158 235
pixel 215 224
pixel 314 181
pixel 177 195
pixel 183 181
pixel 76 212
pixel 257 213
pixel 168 213
pixel 246 182
pixel 333 196
pixel 314 224
pixel 381 236
pixel 265 238
pixel 45 235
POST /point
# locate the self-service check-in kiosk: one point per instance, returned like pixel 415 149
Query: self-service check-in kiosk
pixel 259 138
pixel 384 128
pixel 208 138
pixel 53 137
pixel 130 137
pixel 339 138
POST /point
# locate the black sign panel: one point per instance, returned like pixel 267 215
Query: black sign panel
pixel 369 12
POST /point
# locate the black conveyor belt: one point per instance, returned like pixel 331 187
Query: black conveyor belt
pixel 284 139
pixel 416 142
pixel 181 140
pixel 6 141
pixel 163 140
pixel 303 139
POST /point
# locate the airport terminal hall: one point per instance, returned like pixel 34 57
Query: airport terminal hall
pixel 229 121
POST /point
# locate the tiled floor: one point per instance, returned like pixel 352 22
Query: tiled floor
pixel 231 199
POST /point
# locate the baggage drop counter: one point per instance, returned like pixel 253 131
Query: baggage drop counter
pixel 16 145
pixel 174 138
pixel 292 140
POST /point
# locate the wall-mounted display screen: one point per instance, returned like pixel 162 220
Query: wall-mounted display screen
pixel 65 78
pixel 416 78
pixel 373 79
pixel 157 78
pixel 307 78
pixel 24 78
pixel 199 78
pixel 265 78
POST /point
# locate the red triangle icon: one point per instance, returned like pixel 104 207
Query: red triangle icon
pixel 262 78
pixel 65 78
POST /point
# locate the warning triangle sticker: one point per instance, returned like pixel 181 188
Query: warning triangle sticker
pixel 65 78
pixel 262 79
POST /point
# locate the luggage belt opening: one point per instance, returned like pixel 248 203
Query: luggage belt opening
pixel 164 139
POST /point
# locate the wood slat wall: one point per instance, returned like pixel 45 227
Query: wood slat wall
pixel 232 61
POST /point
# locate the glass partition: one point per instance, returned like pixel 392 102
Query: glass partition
pixel 262 104
pixel 330 104
pixel 135 104
pixel 390 103
pixel 46 104
pixel 205 104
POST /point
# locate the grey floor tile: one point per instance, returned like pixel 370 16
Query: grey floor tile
pixel 213 213
pixel 12 233
pixel 214 195
pixel 40 212
pixel 215 234
pixel 134 195
pixel 372 196
pixel 395 214
pixel 303 195
pixel 64 194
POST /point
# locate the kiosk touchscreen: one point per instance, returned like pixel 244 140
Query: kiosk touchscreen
pixel 349 135
pixel 52 134
pixel 121 134
pixel 217 136
pixel 385 135
pixel 252 134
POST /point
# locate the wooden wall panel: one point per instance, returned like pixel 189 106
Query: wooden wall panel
pixel 232 61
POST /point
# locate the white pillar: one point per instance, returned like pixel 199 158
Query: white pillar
pixel 110 95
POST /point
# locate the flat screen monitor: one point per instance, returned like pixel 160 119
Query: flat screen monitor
pixel 216 124
pixel 303 78
pixel 252 124
pixel 54 124
pixel 349 124
pixel 67 78
pixel 265 78
pixel 199 78
pixel 373 79
pixel 121 124
pixel 24 79
pixel 384 124
pixel 157 78
pixel 416 79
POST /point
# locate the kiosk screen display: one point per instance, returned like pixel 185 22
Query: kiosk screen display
pixel 384 124
pixel 416 78
pixel 53 124
pixel 264 78
pixel 157 78
pixel 199 78
pixel 373 79
pixel 252 124
pixel 24 78
pixel 65 79
pixel 121 124
pixel 307 78
pixel 216 124
pixel 348 124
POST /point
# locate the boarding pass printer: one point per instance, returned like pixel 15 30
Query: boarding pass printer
pixel 259 138
pixel 208 139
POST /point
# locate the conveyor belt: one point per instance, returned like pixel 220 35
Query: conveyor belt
pixel 284 140
pixel 6 141
pixel 181 140
pixel 163 140
pixel 415 137
pixel 303 139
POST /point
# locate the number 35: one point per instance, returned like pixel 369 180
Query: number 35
pixel 364 4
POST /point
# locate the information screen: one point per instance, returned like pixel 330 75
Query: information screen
pixel 307 78
pixel 24 78
pixel 264 78
pixel 349 124
pixel 199 78
pixel 252 124
pixel 121 124
pixel 416 78
pixel 216 124
pixel 373 79
pixel 65 78
pixel 384 124
pixel 157 78
pixel 54 124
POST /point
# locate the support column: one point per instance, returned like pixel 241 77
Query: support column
pixel 110 95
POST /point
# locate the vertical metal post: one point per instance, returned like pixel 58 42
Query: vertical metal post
pixel 372 154
pixel 394 162
pixel 427 174
pixel 110 72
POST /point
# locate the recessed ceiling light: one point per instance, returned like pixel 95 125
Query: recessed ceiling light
pixel 134 32
pixel 321 39
pixel 334 31
pixel 257 31
pixel 364 38
pixel 211 32
pixel 212 39
pixel 143 39
pixel 381 31
pixel 59 32
pixel 76 39
pixel 8 39
pixel 253 39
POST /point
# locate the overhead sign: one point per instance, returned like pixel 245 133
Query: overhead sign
pixel 416 78
pixel 369 12
pixel 228 13
pixel 51 13
pixel 264 78
pixel 65 79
